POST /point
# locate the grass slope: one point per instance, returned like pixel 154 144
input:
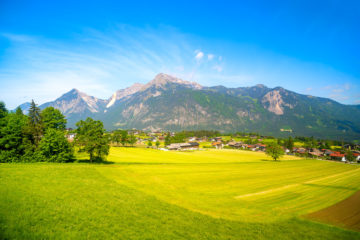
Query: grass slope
pixel 149 194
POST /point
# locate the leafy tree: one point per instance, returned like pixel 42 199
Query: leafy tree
pixel 167 139
pixel 11 140
pixel 178 138
pixel 35 125
pixel 55 147
pixel 350 156
pixel 132 140
pixel 53 118
pixel 116 137
pixel 124 137
pixel 274 150
pixel 289 143
pixel 157 143
pixel 310 143
pixel 90 137
pixel 149 143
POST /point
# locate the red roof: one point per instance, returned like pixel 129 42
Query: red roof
pixel 337 154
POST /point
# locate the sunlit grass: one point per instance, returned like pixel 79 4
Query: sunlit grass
pixel 152 194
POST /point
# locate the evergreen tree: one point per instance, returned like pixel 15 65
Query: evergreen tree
pixel 19 111
pixel 35 125
pixel 3 110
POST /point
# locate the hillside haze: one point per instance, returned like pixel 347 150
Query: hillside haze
pixel 169 103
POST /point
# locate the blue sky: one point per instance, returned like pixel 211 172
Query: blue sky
pixel 50 47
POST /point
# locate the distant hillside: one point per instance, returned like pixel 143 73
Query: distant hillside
pixel 169 103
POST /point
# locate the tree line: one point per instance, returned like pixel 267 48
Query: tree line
pixel 40 136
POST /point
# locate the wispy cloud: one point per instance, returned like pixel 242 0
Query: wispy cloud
pixel 199 56
pixel 96 62
pixel 100 62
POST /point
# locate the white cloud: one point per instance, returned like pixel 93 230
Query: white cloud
pixel 210 56
pixel 199 56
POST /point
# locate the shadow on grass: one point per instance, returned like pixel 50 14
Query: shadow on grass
pixel 270 160
pixel 94 162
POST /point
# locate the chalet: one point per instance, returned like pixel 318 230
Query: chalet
pixel 234 144
pixel 357 156
pixel 216 139
pixel 260 147
pixel 217 145
pixel 300 150
pixel 337 156
pixel 70 137
pixel 326 152
pixel 191 139
pixel 315 152
pixel 250 147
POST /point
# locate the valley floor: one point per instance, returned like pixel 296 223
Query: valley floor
pixel 151 194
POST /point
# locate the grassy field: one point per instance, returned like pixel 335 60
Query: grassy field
pixel 151 194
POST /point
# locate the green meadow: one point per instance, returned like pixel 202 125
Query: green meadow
pixel 151 194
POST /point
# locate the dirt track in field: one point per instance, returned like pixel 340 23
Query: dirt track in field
pixel 345 214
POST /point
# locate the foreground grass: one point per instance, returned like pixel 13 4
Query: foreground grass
pixel 236 185
pixel 134 198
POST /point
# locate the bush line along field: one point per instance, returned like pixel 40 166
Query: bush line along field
pixel 151 194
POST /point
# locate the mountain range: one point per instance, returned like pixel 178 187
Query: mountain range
pixel 169 103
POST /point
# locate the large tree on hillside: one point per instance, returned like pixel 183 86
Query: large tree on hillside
pixel 90 137
pixel 274 150
pixel 53 118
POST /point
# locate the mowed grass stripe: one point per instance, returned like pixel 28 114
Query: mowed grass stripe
pixel 296 184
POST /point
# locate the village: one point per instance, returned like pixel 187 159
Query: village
pixel 250 142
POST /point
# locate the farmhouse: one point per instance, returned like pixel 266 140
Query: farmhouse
pixel 184 146
pixel 337 156
pixel 260 147
pixel 218 145
pixel 235 144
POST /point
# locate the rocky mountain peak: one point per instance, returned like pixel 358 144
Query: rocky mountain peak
pixel 162 79
pixel 123 93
